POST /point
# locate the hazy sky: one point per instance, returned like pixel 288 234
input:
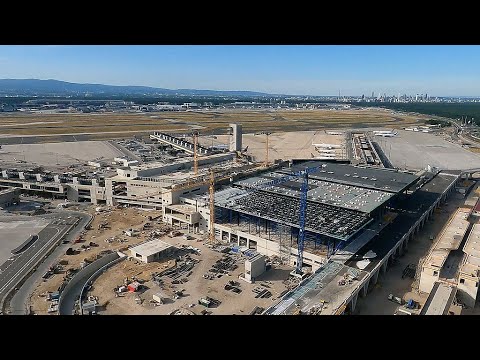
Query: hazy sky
pixel 311 70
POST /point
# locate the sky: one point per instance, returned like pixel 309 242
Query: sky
pixel 279 69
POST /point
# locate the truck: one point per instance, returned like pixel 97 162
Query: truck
pixel 205 302
pixel 395 299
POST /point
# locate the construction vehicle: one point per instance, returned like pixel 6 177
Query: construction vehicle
pixel 412 304
pixel 205 302
pixel 409 271
pixel 395 299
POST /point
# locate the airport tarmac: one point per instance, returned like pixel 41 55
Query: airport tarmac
pixel 62 154
pixel 417 150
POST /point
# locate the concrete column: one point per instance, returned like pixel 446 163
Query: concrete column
pixel 383 268
pixel 375 277
pixel 94 182
pixel 56 178
pixel 353 303
pixel 21 175
pixel 400 249
pixel 364 289
pixel 75 180
pixel 4 174
pixel 39 177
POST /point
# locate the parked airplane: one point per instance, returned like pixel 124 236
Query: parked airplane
pixel 385 133
pixel 327 146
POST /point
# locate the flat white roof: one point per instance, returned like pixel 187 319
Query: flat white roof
pixel 441 301
pixel 450 238
pixel 151 247
pixel 471 261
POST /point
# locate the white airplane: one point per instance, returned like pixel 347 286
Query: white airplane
pixel 385 133
pixel 334 133
pixel 327 146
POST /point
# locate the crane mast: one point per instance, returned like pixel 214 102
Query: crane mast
pixel 211 189
pixel 195 156
pixel 266 133
pixel 302 217
pixel 266 153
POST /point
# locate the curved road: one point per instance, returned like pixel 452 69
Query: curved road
pixel 73 290
pixel 18 304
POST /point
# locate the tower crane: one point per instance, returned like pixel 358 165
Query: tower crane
pixel 195 156
pixel 303 174
pixel 266 133
pixel 211 191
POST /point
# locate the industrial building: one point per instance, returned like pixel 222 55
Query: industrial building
pixel 435 268
pixel 441 300
pixel 152 250
pixel 454 259
pixel 469 270
pixel 334 288
pixel 342 200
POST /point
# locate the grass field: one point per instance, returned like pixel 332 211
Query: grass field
pixel 251 120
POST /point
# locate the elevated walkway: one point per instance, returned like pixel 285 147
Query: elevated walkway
pixel 180 144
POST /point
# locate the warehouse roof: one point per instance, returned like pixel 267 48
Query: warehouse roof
pixel 324 192
pixel 381 179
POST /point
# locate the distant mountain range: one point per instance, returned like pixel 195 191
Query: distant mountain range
pixel 56 87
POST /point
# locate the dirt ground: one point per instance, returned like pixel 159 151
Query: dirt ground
pixel 283 145
pixel 376 302
pixel 195 288
pixel 119 220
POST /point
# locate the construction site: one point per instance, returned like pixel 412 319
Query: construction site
pixel 262 223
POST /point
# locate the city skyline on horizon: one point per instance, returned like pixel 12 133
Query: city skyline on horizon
pixel 305 70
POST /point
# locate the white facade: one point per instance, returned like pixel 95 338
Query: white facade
pixel 152 250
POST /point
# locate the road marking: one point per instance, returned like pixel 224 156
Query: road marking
pixel 30 261
pixel 66 231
